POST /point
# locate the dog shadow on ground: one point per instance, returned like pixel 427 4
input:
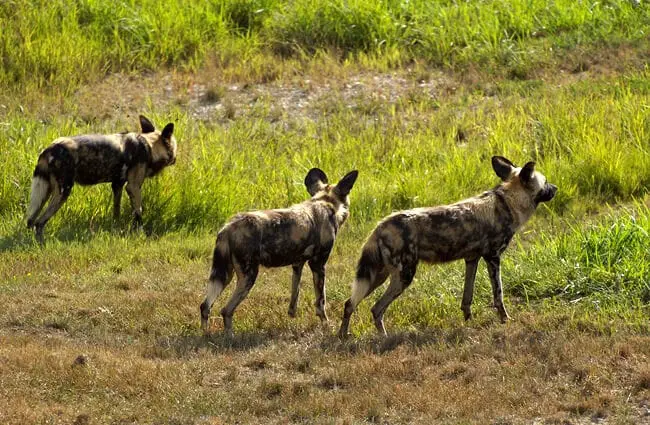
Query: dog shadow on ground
pixel 318 337
pixel 385 344
pixel 74 230
pixel 186 345
pixel 18 239
pixel 243 341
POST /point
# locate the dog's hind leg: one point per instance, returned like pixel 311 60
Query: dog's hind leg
pixel 468 290
pixel 399 281
pixel 216 285
pixel 295 288
pixel 214 289
pixel 245 281
pixel 59 196
pixel 117 186
pixel 318 272
pixel 494 270
pixel 40 193
pixel 366 282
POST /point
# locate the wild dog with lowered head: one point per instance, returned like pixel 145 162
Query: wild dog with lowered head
pixel 302 233
pixel 475 228
pixel 93 158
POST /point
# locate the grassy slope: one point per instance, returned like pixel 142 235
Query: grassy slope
pixel 576 279
pixel 62 43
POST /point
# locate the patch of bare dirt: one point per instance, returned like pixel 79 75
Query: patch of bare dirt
pixel 304 98
pixel 211 95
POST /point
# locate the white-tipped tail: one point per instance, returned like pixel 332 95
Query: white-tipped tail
pixel 38 195
pixel 360 289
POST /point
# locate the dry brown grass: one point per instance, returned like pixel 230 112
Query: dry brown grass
pixel 80 345
pixel 498 375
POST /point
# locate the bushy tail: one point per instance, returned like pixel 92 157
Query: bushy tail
pixel 369 264
pixel 40 192
pixel 221 265
pixel 219 276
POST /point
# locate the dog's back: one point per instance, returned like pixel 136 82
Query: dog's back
pixel 281 237
pixel 467 229
pixel 94 158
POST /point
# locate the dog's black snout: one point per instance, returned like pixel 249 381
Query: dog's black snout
pixel 546 194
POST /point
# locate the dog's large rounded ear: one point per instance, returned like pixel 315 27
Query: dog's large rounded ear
pixel 146 125
pixel 344 186
pixel 526 173
pixel 315 180
pixel 168 131
pixel 503 167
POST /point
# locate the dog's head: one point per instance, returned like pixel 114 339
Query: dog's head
pixel 163 143
pixel 337 195
pixel 532 182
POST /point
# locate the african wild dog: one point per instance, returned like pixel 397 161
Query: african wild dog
pixel 93 158
pixel 478 227
pixel 302 233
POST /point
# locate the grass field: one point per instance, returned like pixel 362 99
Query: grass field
pixel 102 324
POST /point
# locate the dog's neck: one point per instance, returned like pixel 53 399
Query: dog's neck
pixel 339 209
pixel 519 202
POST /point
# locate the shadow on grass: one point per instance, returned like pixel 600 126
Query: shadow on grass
pixel 241 341
pixel 186 345
pixel 20 238
pixel 79 229
pixel 379 344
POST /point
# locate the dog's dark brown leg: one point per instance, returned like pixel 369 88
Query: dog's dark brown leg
pixel 245 281
pixel 295 288
pixel 399 281
pixel 318 272
pixel 494 270
pixel 117 187
pixel 468 291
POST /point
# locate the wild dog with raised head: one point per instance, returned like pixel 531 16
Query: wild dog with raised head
pixel 475 228
pixel 302 233
pixel 93 158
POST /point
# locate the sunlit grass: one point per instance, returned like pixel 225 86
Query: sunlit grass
pixel 102 324
pixel 588 138
pixel 61 44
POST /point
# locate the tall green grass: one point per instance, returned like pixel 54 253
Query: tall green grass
pixel 589 138
pixel 604 257
pixel 62 44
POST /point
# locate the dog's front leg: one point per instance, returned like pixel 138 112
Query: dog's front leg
pixel 318 271
pixel 468 290
pixel 135 178
pixel 295 288
pixel 494 270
